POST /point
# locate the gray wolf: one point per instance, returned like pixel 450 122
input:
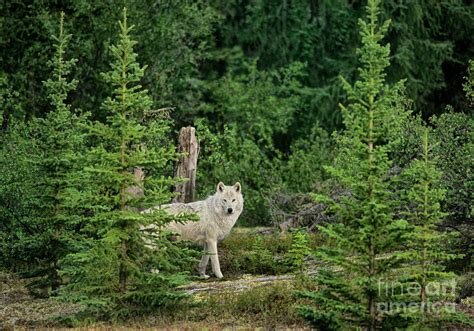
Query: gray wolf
pixel 217 215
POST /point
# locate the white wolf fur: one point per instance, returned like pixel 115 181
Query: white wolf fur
pixel 217 215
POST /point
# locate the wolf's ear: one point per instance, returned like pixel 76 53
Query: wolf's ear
pixel 220 187
pixel 237 187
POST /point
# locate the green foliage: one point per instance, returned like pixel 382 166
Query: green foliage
pixel 425 253
pixel 306 160
pixel 454 138
pixel 8 102
pixel 260 257
pixel 19 196
pixel 58 87
pixel 360 245
pixel 280 33
pixel 321 34
pixel 410 143
pixel 112 273
pixel 465 286
pixel 259 80
pixel 420 55
pixel 259 104
pixel 267 306
pixel 253 108
pixel 250 253
pixel 53 141
pixel 204 55
pixel 299 251
pixel 469 84
pixel 270 306
pixel 176 38
pixel 453 143
pixel 196 41
pixel 59 137
pixel 177 33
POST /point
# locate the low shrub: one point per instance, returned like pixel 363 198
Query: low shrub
pixel 465 286
pixel 250 253
pixel 237 255
pixel 268 306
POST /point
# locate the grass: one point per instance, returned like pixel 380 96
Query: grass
pixel 269 306
pixel 237 252
pixel 18 307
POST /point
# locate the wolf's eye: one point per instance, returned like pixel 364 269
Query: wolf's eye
pixel 233 200
pixel 225 200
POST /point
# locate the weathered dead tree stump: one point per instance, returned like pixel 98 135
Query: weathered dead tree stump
pixel 136 191
pixel 189 147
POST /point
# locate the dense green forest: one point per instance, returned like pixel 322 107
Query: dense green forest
pixel 348 124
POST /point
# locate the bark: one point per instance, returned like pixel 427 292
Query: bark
pixel 136 191
pixel 189 146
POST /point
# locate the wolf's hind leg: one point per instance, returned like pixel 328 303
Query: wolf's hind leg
pixel 204 261
pixel 212 248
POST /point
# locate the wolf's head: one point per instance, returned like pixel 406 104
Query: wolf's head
pixel 229 199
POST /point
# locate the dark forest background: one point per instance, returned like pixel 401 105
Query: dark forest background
pixel 349 125
pixel 261 76
pixel 192 47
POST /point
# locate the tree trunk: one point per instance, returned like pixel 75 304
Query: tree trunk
pixel 189 146
pixel 136 191
pixel 123 274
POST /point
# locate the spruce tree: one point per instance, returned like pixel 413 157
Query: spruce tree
pixel 358 254
pixel 261 259
pixel 299 250
pixel 111 272
pixel 53 140
pixel 423 280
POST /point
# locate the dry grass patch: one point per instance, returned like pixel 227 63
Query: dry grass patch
pixel 19 308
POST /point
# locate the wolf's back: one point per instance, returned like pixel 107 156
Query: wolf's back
pixel 193 230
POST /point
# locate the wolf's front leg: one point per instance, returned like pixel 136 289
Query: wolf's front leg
pixel 212 249
pixel 204 261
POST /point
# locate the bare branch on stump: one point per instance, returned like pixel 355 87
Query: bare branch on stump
pixel 189 146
